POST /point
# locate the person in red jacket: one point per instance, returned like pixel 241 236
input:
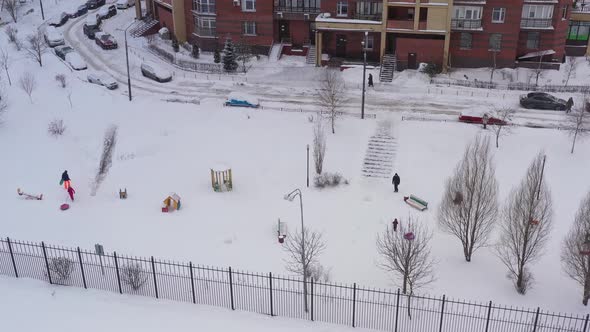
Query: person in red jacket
pixel 71 192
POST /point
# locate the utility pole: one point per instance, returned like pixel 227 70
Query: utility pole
pixel 363 44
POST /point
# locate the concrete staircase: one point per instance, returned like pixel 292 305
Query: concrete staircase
pixel 380 153
pixel 275 52
pixel 311 55
pixel 388 67
pixel 143 26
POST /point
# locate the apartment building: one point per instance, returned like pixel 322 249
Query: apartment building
pixel 459 33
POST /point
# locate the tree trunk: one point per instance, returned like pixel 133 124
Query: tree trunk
pixel 405 284
pixel 497 138
pixel 574 141
pixel 520 287
pixel 8 76
pixel 333 120
pixel 586 284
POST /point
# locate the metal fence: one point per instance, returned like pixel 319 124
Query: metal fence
pixel 272 295
pixel 512 86
pixel 214 68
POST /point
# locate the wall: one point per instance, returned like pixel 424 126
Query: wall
pixel 230 19
pixel 353 45
pixel 437 19
pixel 164 16
pixel 427 50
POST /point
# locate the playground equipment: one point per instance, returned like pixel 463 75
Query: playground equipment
pixel 281 231
pixel 64 206
pixel 171 203
pixel 221 180
pixel 409 236
pixel 416 202
pixel 29 196
pixel 123 194
pixel 534 222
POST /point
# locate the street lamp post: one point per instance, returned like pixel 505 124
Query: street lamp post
pixel 290 197
pixel 127 60
pixel 363 44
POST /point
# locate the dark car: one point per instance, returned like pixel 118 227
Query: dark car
pixel 105 41
pixel 91 30
pixel 59 20
pixel 92 4
pixel 107 12
pixel 542 101
pixel 80 10
pixel 61 51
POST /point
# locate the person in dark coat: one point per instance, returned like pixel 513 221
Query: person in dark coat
pixel 395 181
pixel 395 222
pixel 569 104
pixel 370 81
pixel 65 180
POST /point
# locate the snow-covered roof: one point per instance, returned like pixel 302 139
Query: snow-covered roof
pixel 326 17
pixel 536 54
pixel 53 34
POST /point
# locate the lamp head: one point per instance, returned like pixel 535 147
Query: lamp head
pixel 288 197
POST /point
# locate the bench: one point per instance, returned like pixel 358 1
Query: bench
pixel 416 202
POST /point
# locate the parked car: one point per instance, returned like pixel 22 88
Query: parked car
pixel 92 20
pixel 78 11
pixel 91 30
pixel 103 79
pixel 92 4
pixel 124 4
pixel 107 12
pixel 243 100
pixel 75 61
pixel 156 73
pixel 59 20
pixel 53 37
pixel 542 101
pixel 61 51
pixel 105 41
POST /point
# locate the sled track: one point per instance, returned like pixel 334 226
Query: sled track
pixel 380 154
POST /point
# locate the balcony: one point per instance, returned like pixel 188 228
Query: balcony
pixel 581 8
pixel 205 32
pixel 298 9
pixel 536 23
pixel 367 17
pixel 205 9
pixel 464 24
pixel 400 24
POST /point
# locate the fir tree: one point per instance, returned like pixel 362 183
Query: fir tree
pixel 229 56
pixel 216 56
pixel 195 51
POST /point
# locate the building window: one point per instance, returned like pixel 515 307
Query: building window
pixel 410 14
pixel 467 12
pixel 532 40
pixel 564 12
pixel 498 15
pixel 370 42
pixel 495 42
pixel 342 8
pixel 537 11
pixel 579 30
pixel 466 41
pixel 249 5
pixel 205 26
pixel 204 6
pixel 249 28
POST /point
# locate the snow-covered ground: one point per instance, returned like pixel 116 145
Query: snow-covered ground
pixel 61 309
pixel 170 147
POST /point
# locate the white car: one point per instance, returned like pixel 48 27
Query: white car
pixel 92 20
pixel 124 4
pixel 103 79
pixel 75 61
pixel 156 73
pixel 53 37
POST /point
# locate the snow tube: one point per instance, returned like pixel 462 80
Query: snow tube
pixel 64 206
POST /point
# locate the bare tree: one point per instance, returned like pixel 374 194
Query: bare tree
pixel 61 269
pixel 539 70
pixel 575 251
pixel 12 7
pixel 570 68
pixel 244 54
pixel 28 83
pixel 303 251
pixel 134 276
pixel 501 127
pixel 61 79
pixel 494 63
pixel 469 206
pixel 332 95
pixel 3 103
pixel 56 127
pixel 319 146
pixel 406 254
pixel 36 47
pixel 106 159
pixel 578 122
pixel 526 225
pixel 12 35
pixel 5 63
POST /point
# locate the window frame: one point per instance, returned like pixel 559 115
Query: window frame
pixel 245 5
pixel 564 10
pixel 502 14
pixel 543 11
pixel 461 40
pixel 199 24
pixel 461 12
pixel 339 6
pixel 499 42
pixel 370 41
pixel 246 25
pixel 533 44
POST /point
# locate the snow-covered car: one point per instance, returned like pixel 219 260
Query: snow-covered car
pixel 107 12
pixel 75 61
pixel 156 73
pixel 92 4
pixel 77 11
pixel 241 99
pixel 124 4
pixel 53 37
pixel 59 20
pixel 93 20
pixel 105 41
pixel 62 51
pixel 103 79
pixel 91 30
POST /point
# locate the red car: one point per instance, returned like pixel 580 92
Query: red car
pixel 478 119
pixel 105 41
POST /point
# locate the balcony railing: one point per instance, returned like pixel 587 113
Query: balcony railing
pixel 205 32
pixel 368 17
pixel 207 9
pixel 298 9
pixel 400 24
pixel 582 8
pixel 536 23
pixel 459 23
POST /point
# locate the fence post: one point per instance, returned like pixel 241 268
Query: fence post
pixel 270 284
pixel 442 313
pixel 396 310
pixel 190 266
pixel 46 262
pixel 536 319
pixel 118 275
pixel 154 274
pixel 311 299
pixel 489 313
pixel 12 257
pixel 353 303
pixel 82 268
pixel 586 322
pixel 231 290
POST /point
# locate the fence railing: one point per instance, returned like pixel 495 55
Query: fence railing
pixel 214 68
pixel 512 86
pixel 273 295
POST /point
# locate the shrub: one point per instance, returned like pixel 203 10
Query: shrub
pixel 217 56
pixel 61 79
pixel 431 69
pixel 329 180
pixel 195 51
pixel 134 276
pixel 175 45
pixel 56 128
pixel 61 268
pixel 12 34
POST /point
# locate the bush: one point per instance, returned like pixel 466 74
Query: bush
pixel 61 79
pixel 175 45
pixel 12 34
pixel 329 180
pixel 134 276
pixel 56 128
pixel 61 268
pixel 217 56
pixel 195 51
pixel 431 69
